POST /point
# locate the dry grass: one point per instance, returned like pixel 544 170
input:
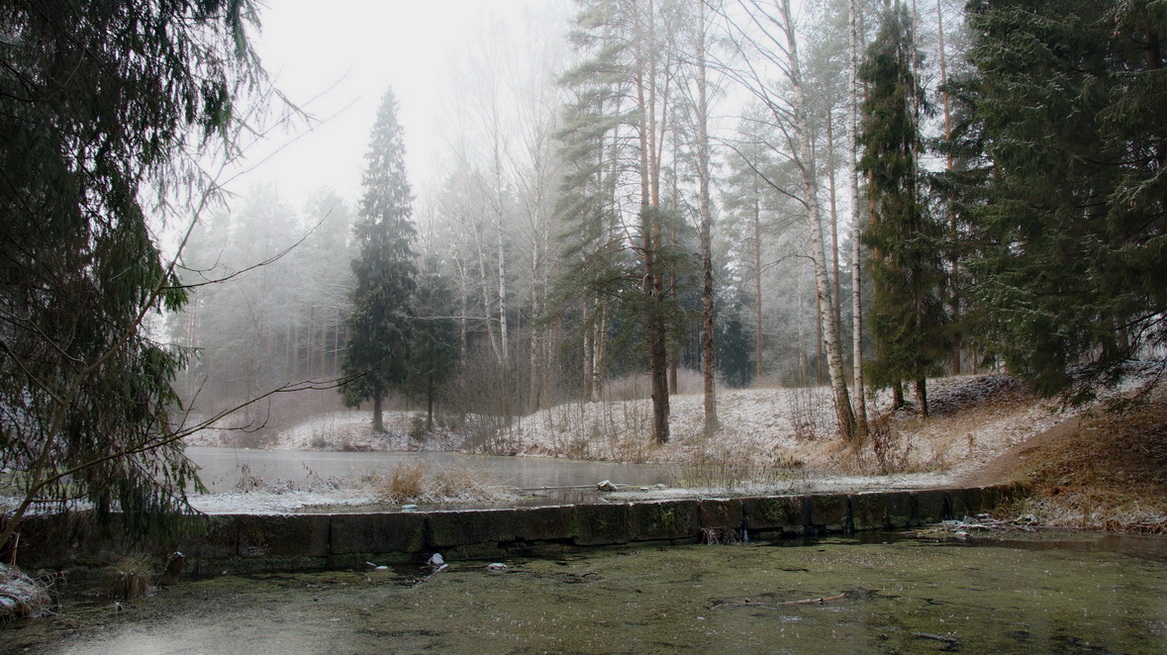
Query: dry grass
pixel 132 577
pixel 404 484
pixel 416 482
pixel 1108 474
pixel 22 596
pixel 722 466
pixel 248 482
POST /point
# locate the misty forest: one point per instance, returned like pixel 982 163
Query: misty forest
pixel 741 237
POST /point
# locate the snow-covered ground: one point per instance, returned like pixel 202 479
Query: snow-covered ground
pixel 769 441
pixel 341 430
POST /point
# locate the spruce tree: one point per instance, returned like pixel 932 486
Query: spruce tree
pixel 907 317
pixel 433 351
pixel 1065 199
pixel 376 352
pixel 101 103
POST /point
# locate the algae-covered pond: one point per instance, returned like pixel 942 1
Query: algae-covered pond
pixel 884 594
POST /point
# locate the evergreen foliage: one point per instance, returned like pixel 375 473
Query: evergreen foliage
pixel 377 350
pixel 1065 200
pixel 908 315
pixel 98 102
pixel 434 345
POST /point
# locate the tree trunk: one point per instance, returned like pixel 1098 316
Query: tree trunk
pixel 431 391
pixel 856 223
pixel 534 390
pixel 656 333
pixel 589 356
pixel 832 340
pixel 599 340
pixel 819 332
pixel 803 373
pixel 954 261
pixel 378 421
pixel 759 337
pixel 503 321
pixel 922 396
pixel 831 195
pixel 487 300
pixel 708 350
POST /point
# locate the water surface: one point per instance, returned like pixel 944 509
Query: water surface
pixel 220 467
pixel 1057 596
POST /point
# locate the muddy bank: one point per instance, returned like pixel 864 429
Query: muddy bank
pixel 1082 595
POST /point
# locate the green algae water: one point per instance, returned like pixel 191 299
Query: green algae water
pixel 882 594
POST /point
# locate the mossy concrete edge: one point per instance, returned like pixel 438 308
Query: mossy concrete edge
pixel 256 542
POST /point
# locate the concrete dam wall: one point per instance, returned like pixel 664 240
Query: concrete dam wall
pixel 242 543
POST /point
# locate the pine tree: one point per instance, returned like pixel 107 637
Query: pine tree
pixel 379 327
pixel 908 318
pixel 614 135
pixel 1065 198
pixel 97 100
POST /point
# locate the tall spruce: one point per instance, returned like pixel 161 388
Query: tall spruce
pixel 1066 196
pixel 908 317
pixel 377 350
pixel 100 103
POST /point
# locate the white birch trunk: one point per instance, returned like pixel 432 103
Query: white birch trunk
pixel 856 220
pixel 831 333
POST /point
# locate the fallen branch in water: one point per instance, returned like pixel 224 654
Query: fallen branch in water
pixel 807 601
pixel 812 601
pixel 941 638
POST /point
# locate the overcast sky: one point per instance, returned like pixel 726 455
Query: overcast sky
pixel 351 51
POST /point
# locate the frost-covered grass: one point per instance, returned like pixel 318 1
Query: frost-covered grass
pixel 408 482
pixel 770 433
pixel 21 595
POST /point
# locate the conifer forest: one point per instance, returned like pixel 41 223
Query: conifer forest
pixel 695 195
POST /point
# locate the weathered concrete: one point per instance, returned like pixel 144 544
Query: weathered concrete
pixel 775 515
pixel 248 543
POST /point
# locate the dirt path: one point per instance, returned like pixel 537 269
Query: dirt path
pixel 1017 463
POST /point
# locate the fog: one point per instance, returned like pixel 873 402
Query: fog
pixel 335 61
pixel 535 136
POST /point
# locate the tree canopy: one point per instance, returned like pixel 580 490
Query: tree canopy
pixel 100 105
pixel 1064 201
pixel 378 337
pixel 906 244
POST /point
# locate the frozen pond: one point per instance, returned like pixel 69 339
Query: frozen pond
pixel 882 594
pixel 221 467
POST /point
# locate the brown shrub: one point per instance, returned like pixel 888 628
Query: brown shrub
pixel 132 577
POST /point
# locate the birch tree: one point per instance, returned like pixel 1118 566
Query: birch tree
pixel 765 39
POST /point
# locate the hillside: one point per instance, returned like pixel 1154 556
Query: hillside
pixel 1089 467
